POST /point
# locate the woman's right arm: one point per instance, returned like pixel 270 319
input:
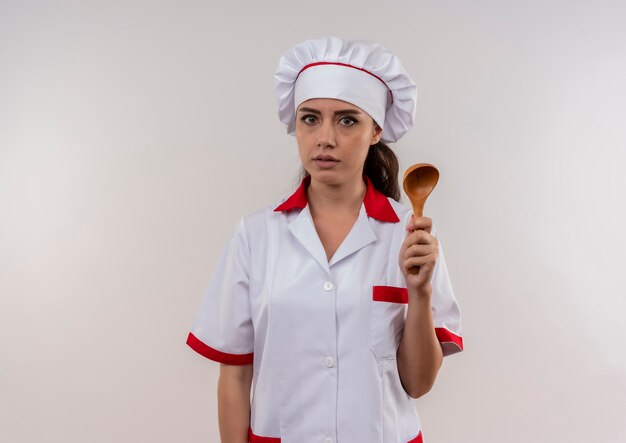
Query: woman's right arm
pixel 233 402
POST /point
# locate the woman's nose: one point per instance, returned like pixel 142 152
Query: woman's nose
pixel 326 134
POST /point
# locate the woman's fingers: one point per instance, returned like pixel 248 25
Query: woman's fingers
pixel 419 250
pixel 418 262
pixel 423 223
pixel 420 247
pixel 420 237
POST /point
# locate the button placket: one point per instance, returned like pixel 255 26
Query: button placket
pixel 328 361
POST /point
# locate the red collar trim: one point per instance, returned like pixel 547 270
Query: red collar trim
pixel 376 203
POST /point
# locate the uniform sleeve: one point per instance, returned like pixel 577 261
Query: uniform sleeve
pixel 223 330
pixel 446 312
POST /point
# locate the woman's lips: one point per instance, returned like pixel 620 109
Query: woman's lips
pixel 325 162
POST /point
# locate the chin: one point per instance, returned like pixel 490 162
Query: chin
pixel 328 177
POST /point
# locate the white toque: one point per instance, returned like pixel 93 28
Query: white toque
pixel 363 73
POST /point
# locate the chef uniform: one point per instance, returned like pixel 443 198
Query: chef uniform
pixel 323 335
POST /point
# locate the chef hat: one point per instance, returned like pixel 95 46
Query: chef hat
pixel 359 72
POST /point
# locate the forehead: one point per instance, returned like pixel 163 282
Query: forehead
pixel 328 104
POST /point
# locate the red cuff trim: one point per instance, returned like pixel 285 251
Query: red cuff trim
pixel 258 439
pixel 218 356
pixel 417 439
pixel 391 294
pixel 447 337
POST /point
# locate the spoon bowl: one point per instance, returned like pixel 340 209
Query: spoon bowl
pixel 418 182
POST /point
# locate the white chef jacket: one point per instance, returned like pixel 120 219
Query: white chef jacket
pixel 322 335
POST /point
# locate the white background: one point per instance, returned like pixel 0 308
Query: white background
pixel 134 135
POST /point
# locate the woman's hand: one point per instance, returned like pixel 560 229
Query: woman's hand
pixel 419 249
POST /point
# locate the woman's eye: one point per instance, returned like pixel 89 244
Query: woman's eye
pixel 309 119
pixel 347 121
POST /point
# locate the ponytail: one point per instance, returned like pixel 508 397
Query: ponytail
pixel 381 166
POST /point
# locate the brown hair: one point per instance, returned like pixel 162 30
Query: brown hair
pixel 381 166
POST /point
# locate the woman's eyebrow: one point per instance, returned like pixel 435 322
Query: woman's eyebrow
pixel 341 111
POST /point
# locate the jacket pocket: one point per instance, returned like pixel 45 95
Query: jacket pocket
pixel 387 315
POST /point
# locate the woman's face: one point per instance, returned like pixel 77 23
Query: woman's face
pixel 333 139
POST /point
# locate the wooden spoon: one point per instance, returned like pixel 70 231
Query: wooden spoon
pixel 418 182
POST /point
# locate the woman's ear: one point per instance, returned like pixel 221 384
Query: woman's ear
pixel 378 133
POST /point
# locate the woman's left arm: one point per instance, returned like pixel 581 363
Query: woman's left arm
pixel 419 354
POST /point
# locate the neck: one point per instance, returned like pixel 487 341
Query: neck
pixel 336 198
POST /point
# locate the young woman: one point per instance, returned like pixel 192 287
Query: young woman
pixel 312 302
